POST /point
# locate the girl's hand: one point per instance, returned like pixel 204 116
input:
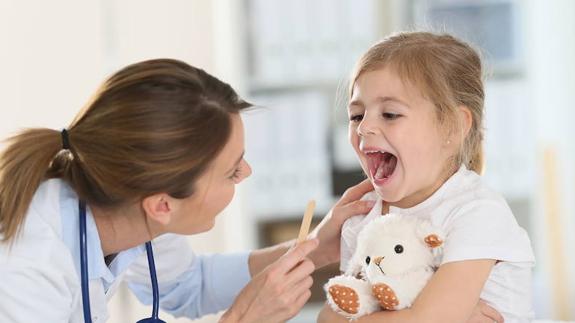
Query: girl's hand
pixel 484 313
pixel 329 230
pixel 278 292
pixel 327 315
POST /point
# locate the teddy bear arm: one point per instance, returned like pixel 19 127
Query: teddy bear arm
pixel 400 292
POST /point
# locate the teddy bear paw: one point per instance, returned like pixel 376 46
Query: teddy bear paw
pixel 346 298
pixel 385 296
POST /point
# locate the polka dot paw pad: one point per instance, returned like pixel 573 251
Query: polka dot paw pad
pixel 385 296
pixel 345 298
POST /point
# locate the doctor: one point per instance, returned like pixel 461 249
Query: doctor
pixel 154 156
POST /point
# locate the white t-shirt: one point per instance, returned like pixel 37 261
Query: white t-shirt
pixel 478 224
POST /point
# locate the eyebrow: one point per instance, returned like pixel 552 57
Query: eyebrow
pixel 379 99
pixel 236 163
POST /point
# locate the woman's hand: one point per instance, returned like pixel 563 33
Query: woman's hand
pixel 329 230
pixel 278 292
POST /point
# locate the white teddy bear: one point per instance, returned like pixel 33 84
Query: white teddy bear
pixel 396 256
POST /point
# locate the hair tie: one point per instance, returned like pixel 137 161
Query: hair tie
pixel 65 140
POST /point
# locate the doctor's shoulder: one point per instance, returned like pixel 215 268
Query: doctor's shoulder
pixel 39 239
pixel 38 279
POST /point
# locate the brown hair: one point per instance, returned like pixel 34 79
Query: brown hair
pixel 152 127
pixel 447 71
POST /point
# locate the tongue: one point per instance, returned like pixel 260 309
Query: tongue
pixel 386 167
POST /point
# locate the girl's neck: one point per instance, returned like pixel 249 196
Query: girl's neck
pixel 122 229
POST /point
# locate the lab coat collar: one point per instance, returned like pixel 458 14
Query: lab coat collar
pixel 97 268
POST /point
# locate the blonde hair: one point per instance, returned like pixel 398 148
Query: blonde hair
pixel 447 71
pixel 152 127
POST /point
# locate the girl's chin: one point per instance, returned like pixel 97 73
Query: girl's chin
pixel 386 195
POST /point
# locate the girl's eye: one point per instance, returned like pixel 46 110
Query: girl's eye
pixel 356 117
pixel 390 116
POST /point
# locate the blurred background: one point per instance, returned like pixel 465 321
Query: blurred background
pixel 293 58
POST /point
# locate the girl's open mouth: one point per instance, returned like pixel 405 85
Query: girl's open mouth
pixel 381 166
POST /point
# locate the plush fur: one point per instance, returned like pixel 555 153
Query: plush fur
pixel 395 257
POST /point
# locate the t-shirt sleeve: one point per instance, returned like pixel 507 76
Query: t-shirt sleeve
pixel 486 229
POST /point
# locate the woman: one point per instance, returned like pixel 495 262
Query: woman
pixel 154 156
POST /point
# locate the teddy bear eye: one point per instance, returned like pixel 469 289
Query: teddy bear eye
pixel 398 248
pixel 367 260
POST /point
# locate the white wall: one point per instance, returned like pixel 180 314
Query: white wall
pixel 550 40
pixel 51 61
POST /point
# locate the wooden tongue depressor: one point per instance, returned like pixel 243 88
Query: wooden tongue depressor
pixel 306 222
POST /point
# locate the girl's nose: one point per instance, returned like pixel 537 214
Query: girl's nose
pixel 366 127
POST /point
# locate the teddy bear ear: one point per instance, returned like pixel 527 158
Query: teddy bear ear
pixel 433 241
pixel 432 236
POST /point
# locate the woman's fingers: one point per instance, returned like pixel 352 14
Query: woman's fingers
pixel 356 192
pixel 299 272
pixel 300 301
pixel 299 288
pixel 358 207
pixel 295 255
pixel 490 312
pixel 354 208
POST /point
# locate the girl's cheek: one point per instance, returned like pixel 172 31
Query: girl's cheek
pixel 353 139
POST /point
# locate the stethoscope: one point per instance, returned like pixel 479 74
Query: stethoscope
pixel 84 273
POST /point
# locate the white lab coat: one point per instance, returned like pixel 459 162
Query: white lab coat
pixel 39 273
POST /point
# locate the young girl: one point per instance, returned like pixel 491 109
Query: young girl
pixel 415 122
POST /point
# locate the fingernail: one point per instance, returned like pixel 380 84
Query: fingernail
pixel 370 203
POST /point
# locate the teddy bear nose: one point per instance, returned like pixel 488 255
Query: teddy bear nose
pixel 377 260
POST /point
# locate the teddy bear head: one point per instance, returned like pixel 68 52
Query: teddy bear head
pixel 393 245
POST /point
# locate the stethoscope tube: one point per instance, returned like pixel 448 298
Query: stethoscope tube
pixel 84 264
pixel 155 290
pixel 84 273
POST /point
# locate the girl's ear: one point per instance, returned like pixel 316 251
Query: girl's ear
pixel 158 207
pixel 465 120
pixel 432 236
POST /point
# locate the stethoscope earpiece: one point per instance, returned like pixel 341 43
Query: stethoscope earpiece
pixel 84 273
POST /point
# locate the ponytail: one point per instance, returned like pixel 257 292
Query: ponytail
pixel 154 126
pixel 23 166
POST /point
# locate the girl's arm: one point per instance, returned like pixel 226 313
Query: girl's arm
pixel 451 295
